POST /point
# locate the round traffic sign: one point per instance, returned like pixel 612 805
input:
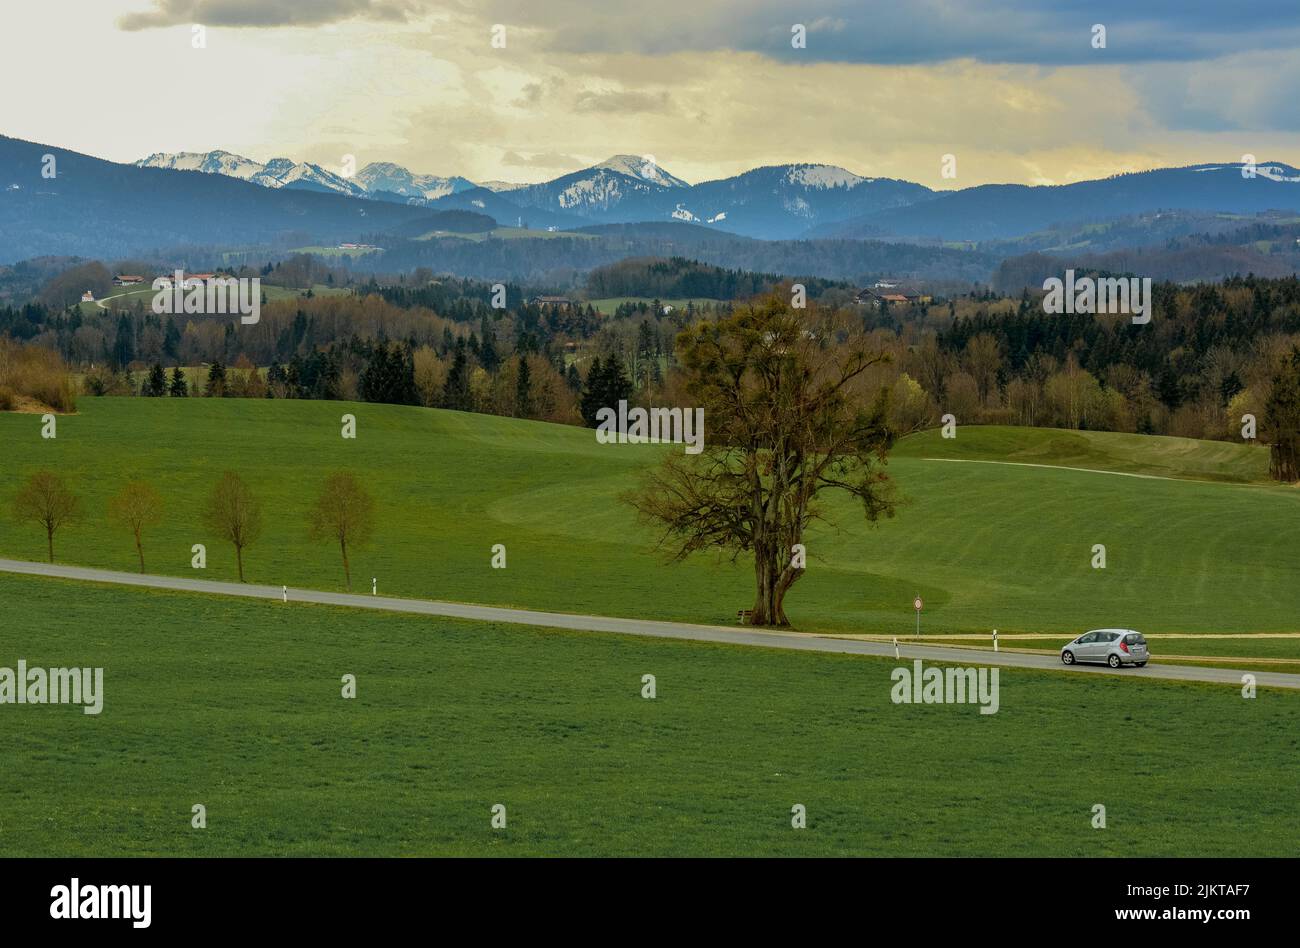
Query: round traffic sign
pixel 917 603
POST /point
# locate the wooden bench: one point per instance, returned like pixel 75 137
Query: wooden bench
pixel 744 615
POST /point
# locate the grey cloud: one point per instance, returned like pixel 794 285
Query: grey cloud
pixel 548 159
pixel 533 94
pixel 622 102
pixel 267 13
pixel 920 31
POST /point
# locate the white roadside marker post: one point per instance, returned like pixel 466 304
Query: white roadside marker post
pixel 374 586
pixel 995 640
pixel 286 593
pixel 896 648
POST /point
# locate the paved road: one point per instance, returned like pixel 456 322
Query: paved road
pixel 733 635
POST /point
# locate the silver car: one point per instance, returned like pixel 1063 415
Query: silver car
pixel 1113 647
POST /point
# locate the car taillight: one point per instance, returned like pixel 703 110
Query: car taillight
pixel 1124 646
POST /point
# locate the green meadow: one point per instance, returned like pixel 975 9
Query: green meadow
pixel 123 297
pixel 610 304
pixel 236 705
pixel 1200 544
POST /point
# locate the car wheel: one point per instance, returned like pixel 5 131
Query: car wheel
pixel 1113 661
pixel 1067 657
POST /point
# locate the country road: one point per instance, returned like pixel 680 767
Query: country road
pixel 732 635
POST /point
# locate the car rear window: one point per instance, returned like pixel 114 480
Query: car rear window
pixel 1135 638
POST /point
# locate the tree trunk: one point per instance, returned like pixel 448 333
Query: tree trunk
pixel 139 550
pixel 49 539
pixel 1284 464
pixel 774 575
pixel 347 570
pixel 239 558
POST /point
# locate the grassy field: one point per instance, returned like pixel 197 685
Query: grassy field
pixel 236 705
pixel 610 304
pixel 1099 450
pixel 323 251
pixel 122 297
pixel 504 233
pixel 987 545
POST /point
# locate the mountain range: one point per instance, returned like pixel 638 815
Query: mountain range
pixel 836 223
pixel 54 201
pixel 773 202
pixel 783 201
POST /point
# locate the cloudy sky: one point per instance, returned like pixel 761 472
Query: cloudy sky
pixel 1015 89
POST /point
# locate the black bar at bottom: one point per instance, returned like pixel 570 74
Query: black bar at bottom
pixel 210 897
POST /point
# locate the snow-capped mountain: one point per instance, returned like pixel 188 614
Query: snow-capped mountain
pixel 210 162
pixel 644 167
pixel 393 178
pixel 780 201
pixel 285 173
pixel 112 210
pixel 276 173
pixel 787 200
pixel 622 188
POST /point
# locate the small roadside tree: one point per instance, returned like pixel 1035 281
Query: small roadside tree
pixel 46 500
pixel 344 513
pixel 135 507
pixel 234 514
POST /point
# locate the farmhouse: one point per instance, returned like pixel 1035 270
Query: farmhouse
pixel 559 301
pixel 127 279
pixel 88 297
pixel 189 280
pixel 872 295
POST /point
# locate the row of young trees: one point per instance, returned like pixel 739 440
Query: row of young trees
pixel 342 513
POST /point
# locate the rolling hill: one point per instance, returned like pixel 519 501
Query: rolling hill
pixel 987 545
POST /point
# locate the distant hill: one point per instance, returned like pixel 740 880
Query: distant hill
pixel 999 211
pixel 97 208
pixel 556 258
pixel 679 278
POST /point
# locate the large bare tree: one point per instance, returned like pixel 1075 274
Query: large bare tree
pixel 789 412
pixel 234 514
pixel 46 500
pixel 136 506
pixel 343 513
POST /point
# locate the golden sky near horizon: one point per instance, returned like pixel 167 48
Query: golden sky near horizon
pixel 708 89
